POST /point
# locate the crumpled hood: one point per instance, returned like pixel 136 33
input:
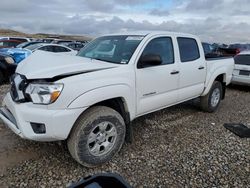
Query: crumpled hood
pixel 45 65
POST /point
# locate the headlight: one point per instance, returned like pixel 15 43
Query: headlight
pixel 9 60
pixel 44 93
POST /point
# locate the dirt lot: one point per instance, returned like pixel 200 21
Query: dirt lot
pixel 176 147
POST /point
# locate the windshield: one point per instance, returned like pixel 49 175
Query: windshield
pixel 33 47
pixel 113 49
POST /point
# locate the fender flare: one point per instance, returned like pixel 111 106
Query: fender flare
pixel 214 75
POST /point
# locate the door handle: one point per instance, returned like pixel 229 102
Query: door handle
pixel 175 72
pixel 201 67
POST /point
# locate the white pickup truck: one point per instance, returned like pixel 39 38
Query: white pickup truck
pixel 90 99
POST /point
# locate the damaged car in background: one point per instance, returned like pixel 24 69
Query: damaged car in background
pixel 11 57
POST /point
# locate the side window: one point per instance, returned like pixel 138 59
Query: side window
pixel 71 45
pixel 46 48
pixel 60 49
pixel 189 50
pixel 163 47
pixel 79 45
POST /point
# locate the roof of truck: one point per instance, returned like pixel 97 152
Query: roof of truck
pixel 144 33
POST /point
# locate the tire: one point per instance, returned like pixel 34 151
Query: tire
pixel 1 78
pixel 211 101
pixel 90 143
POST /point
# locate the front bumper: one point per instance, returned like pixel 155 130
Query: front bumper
pixel 241 80
pixel 19 116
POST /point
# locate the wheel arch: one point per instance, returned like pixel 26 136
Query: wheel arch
pixel 119 98
pixel 218 76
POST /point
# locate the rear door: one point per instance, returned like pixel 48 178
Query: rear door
pixel 192 69
pixel 157 86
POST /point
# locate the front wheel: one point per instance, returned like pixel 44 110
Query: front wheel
pixel 211 101
pixel 97 136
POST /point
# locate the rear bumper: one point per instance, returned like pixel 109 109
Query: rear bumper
pixel 241 80
pixel 18 117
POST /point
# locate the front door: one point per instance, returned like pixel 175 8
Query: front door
pixel 157 85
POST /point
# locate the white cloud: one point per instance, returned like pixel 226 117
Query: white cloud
pixel 213 20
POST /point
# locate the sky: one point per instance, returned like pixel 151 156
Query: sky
pixel 224 21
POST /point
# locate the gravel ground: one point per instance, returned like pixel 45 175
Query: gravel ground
pixel 176 147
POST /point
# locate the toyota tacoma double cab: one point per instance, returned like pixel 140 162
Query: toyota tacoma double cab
pixel 90 99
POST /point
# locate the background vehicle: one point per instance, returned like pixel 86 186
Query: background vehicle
pixel 240 47
pixel 9 43
pixel 7 67
pixel 90 99
pixel 48 40
pixel 19 54
pixel 210 51
pixel 229 51
pixel 26 44
pixel 234 49
pixel 75 45
pixel 55 48
pixel 21 39
pixel 61 41
pixel 16 55
pixel 4 38
pixel 241 74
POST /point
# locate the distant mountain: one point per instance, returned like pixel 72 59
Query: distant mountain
pixel 9 32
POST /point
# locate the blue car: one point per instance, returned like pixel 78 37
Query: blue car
pixel 17 54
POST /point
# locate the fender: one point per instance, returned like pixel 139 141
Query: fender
pixel 211 78
pixel 97 95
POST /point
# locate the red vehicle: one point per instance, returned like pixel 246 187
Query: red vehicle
pixel 9 43
pixel 229 51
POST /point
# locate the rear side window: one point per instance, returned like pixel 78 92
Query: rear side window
pixel 60 49
pixel 242 59
pixel 47 48
pixel 189 50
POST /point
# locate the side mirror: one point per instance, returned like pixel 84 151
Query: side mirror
pixel 149 60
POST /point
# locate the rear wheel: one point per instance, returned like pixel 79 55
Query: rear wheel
pixel 97 136
pixel 212 100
